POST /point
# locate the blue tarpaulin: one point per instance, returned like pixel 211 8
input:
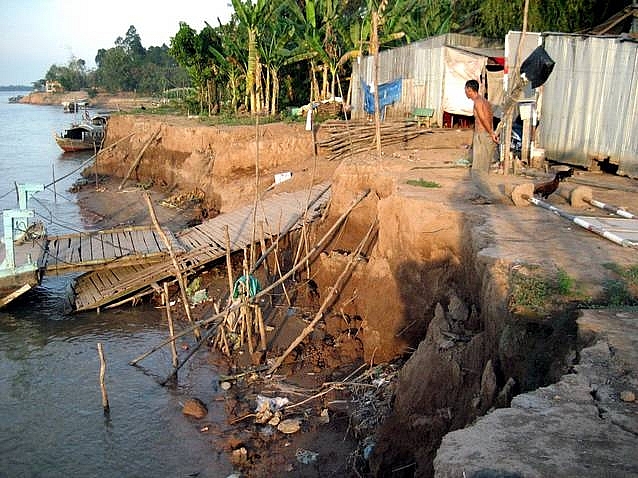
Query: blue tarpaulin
pixel 388 93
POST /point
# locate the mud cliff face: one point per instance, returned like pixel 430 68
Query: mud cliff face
pixel 220 161
pixel 418 255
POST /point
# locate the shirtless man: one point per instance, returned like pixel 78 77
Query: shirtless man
pixel 484 138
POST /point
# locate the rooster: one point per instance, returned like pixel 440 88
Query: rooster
pixel 549 187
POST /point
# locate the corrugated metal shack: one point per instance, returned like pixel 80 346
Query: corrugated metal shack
pixel 589 108
pixel 432 73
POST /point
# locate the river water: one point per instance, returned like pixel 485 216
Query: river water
pixel 51 418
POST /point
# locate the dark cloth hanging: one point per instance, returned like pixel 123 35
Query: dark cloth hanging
pixel 537 67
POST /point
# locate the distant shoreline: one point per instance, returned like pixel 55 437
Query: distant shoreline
pixel 16 88
pixel 112 101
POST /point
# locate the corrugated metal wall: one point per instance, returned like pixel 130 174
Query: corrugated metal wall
pixel 421 66
pixel 590 102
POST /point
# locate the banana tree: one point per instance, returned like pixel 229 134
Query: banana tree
pixel 253 16
pixel 321 44
pixel 231 57
pixel 277 51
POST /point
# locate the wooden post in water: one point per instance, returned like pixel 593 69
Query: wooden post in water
pixel 55 194
pixel 170 325
pixel 105 398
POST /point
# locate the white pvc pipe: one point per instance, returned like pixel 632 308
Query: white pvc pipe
pixel 614 209
pixel 582 223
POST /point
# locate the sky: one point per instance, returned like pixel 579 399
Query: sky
pixel 35 34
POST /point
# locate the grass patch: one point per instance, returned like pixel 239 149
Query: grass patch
pixel 422 183
pixel 537 292
pixel 622 290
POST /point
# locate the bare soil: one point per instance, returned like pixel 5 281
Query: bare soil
pixel 435 289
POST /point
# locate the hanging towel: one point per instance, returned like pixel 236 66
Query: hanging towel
pixel 389 93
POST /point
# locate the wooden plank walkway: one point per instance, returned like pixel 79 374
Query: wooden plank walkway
pixel 106 249
pixel 203 244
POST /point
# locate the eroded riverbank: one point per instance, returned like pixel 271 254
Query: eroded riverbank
pixel 476 299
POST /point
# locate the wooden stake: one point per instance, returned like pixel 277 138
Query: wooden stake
pixel 229 265
pixel 55 194
pixel 248 320
pixel 105 398
pixel 178 272
pixel 262 244
pixel 334 293
pixel 262 328
pixel 170 325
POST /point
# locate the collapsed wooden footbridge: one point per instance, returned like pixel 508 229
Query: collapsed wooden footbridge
pixel 123 264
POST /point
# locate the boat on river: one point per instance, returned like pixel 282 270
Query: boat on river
pixel 74 106
pixel 87 135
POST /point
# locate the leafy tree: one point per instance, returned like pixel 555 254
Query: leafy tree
pixel 231 59
pixel 114 72
pixel 192 51
pixel 73 76
pixel 128 66
pixel 132 44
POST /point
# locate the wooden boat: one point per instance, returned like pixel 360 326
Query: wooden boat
pixel 87 135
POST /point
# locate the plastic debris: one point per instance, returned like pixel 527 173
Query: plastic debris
pixel 268 409
pixel 306 456
pixel 324 417
pixel 240 286
pixel 199 296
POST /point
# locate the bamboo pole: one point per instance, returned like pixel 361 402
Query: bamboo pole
pixel 192 351
pixel 514 90
pixel 138 158
pixel 105 398
pixel 264 291
pixel 170 326
pixel 374 51
pixel 334 293
pixel 229 265
pixel 178 272
pixel 262 245
pixel 246 314
pixel 252 250
pixel 262 327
